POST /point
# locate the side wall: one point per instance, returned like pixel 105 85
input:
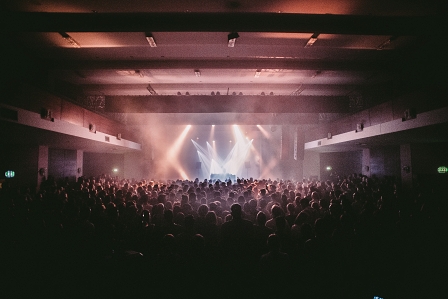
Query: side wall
pixel 95 164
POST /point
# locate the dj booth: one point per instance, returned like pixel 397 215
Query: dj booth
pixel 222 177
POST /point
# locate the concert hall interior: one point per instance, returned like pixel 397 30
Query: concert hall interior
pixel 167 106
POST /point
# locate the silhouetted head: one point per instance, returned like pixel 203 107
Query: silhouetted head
pixel 236 211
pixel 202 210
pixel 273 242
pixel 261 218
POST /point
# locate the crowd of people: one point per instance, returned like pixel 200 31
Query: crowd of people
pixel 348 237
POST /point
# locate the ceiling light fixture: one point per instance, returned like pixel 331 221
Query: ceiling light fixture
pixel 70 40
pixel 312 40
pixel 151 40
pixel 387 42
pixel 232 39
pixel 257 73
pixel 317 73
pixel 151 90
pixel 197 73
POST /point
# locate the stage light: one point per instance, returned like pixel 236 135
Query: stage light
pixel 257 74
pixel 312 40
pixel 173 153
pixel 231 39
pixel 70 40
pixel 150 39
pixel 115 170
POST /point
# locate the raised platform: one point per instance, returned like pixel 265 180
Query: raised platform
pixel 222 177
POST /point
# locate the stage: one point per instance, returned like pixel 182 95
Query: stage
pixel 222 177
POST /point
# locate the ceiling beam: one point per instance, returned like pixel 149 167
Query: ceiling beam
pixel 304 120
pixel 265 63
pixel 220 22
pixel 227 104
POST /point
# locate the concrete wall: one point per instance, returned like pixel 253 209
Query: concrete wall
pixel 342 163
pixel 62 164
pixel 385 161
pixel 29 98
pixel 379 114
pixel 95 164
pixel 311 164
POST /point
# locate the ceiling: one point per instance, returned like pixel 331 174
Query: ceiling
pixel 366 52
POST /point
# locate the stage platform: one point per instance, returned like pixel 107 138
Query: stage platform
pixel 222 177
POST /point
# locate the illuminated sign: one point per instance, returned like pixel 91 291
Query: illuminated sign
pixel 10 174
pixel 442 169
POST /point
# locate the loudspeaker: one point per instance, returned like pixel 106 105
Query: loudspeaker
pixel 409 114
pixel 359 127
pixel 46 114
pixel 92 128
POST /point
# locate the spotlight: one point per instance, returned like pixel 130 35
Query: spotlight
pixel 150 39
pixel 70 40
pixel 178 93
pixel 262 93
pixel 257 74
pixel 213 125
pixel 386 43
pixel 312 40
pixel 187 93
pixel 240 94
pixel 234 93
pixel 231 37
pixel 271 93
pixel 151 90
pixel 218 93
pixel 212 93
pixel 197 73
